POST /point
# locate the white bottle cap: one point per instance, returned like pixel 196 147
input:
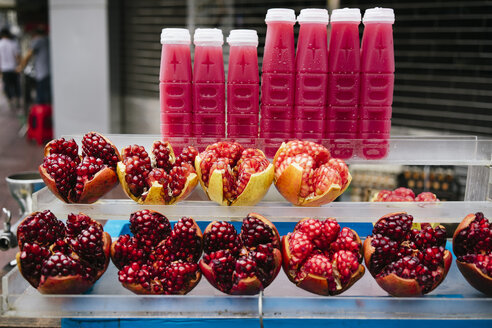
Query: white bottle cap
pixel 280 15
pixel 383 15
pixel 243 38
pixel 312 15
pixel 208 37
pixel 175 36
pixel 346 15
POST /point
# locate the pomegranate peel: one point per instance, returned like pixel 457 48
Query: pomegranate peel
pixel 472 245
pixel 233 176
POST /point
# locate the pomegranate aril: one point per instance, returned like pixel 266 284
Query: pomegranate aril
pixel 149 228
pixel 347 263
pixel 222 236
pixel 346 240
pixel 188 155
pixel 32 258
pixel 323 178
pixel 321 233
pixel 162 152
pixel 42 228
pixel 126 250
pixel 65 147
pixel 428 237
pixel 93 144
pixel 246 168
pixel 341 168
pixel 245 267
pixel 63 170
pixel 385 252
pixel 255 232
pixel 395 227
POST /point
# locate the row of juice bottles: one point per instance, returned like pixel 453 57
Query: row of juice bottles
pixel 339 90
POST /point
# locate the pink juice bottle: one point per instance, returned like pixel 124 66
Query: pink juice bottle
pixel 311 75
pixel 278 78
pixel 208 84
pixel 344 77
pixel 175 90
pixel 377 81
pixel 243 85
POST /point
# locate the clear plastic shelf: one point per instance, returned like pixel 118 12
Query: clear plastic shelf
pixel 443 150
pixel 273 207
pixel 453 299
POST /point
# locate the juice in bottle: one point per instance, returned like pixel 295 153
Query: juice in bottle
pixel 377 81
pixel 208 84
pixel 243 85
pixel 311 74
pixel 343 76
pixel 278 78
pixel 175 89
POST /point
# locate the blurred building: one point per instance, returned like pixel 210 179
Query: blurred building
pixel 106 58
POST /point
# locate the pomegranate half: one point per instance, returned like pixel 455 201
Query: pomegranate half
pixel 406 261
pixel 160 177
pixel 232 175
pixel 403 194
pixel 158 259
pixel 306 175
pixel 244 263
pixel 59 259
pixel 472 246
pixel 80 179
pixel 322 258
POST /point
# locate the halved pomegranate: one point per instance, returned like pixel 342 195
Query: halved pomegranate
pixel 59 259
pixel 322 258
pixel 403 194
pixel 158 259
pixel 472 245
pixel 244 263
pixel 406 261
pixel 80 179
pixel 159 177
pixel 232 175
pixel 306 175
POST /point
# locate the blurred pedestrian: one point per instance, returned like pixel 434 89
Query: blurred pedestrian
pixel 9 59
pixel 39 49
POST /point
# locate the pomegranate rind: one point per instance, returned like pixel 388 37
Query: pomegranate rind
pixel 247 286
pixel 474 275
pixel 401 287
pixel 289 186
pixel 100 184
pixel 50 183
pixel 154 196
pixel 257 187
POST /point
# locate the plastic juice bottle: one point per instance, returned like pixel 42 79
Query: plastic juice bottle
pixel 311 74
pixel 278 78
pixel 377 81
pixel 208 84
pixel 243 85
pixel 175 89
pixel 344 78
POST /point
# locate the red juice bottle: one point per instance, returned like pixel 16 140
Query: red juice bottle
pixel 278 78
pixel 344 77
pixel 175 89
pixel 243 84
pixel 311 74
pixel 377 81
pixel 208 84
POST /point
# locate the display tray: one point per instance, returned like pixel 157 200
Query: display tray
pixel 453 299
pixel 273 207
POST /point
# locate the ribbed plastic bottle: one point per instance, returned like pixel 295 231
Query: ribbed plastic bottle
pixel 344 81
pixel 243 85
pixel 278 77
pixel 208 84
pixel 377 81
pixel 175 88
pixel 311 74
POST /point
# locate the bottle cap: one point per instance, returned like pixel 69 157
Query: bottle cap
pixel 208 37
pixel 280 15
pixel 175 36
pixel 312 15
pixel 384 15
pixel 346 15
pixel 243 38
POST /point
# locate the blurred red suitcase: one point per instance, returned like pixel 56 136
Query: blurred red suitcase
pixel 40 126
